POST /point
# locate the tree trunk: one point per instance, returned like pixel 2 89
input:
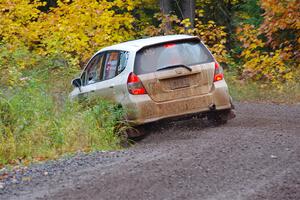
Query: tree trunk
pixel 188 7
pixel 165 6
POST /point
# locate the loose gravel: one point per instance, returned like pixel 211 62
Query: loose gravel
pixel 253 157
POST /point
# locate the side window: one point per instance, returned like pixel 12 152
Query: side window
pixel 123 61
pixel 111 63
pixel 93 71
pixel 115 63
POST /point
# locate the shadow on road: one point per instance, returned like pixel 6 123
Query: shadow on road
pixel 171 129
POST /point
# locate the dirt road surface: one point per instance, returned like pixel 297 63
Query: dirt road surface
pixel 255 156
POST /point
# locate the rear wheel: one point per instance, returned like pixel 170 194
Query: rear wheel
pixel 137 133
pixel 220 117
pixel 216 119
pixel 133 132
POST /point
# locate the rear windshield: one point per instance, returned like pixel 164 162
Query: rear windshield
pixel 152 58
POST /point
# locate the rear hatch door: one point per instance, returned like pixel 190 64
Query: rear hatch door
pixel 175 70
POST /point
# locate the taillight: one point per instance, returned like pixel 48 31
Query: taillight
pixel 135 85
pixel 169 45
pixel 218 72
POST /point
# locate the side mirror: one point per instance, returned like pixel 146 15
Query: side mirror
pixel 76 82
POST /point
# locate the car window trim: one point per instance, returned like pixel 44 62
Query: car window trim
pixel 104 54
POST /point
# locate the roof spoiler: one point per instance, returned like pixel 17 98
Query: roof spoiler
pixel 192 38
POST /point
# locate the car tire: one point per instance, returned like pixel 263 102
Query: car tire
pixel 220 117
pixel 215 119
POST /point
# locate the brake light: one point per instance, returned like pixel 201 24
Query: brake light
pixel 135 85
pixel 169 45
pixel 218 72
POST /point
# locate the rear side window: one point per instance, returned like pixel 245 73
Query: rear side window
pixel 115 63
pixel 188 53
pixel 111 63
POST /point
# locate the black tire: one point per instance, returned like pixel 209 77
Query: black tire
pixel 217 118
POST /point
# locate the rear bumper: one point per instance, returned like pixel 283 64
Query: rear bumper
pixel 142 109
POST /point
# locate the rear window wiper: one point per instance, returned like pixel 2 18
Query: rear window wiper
pixel 175 66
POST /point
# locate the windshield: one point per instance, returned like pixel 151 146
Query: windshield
pixel 152 58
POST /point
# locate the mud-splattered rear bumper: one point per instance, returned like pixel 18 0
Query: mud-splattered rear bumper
pixel 142 109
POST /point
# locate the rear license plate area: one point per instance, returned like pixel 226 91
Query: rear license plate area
pixel 179 83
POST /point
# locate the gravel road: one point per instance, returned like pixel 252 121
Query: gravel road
pixel 254 156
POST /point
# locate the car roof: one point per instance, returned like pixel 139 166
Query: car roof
pixel 135 45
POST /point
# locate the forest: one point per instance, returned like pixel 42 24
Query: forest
pixel 45 43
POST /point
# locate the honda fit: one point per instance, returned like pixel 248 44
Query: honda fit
pixel 157 78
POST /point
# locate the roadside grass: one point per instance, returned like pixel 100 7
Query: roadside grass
pixel 240 90
pixel 39 123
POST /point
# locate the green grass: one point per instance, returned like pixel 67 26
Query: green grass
pixel 37 122
pixel 242 90
pixel 36 125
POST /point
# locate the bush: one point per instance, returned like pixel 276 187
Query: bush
pixel 247 90
pixel 74 29
pixel 212 35
pixel 34 126
pixel 259 64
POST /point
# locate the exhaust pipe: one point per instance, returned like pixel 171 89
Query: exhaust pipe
pixel 212 107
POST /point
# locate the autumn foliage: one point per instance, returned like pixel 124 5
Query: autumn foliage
pixel 270 52
pixel 43 46
pixel 74 30
pixel 212 35
pixel 281 24
pixel 259 64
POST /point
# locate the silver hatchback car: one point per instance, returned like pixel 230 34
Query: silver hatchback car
pixel 157 78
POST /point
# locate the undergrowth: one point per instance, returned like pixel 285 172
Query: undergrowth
pixel 38 122
pixel 243 90
pixel 36 125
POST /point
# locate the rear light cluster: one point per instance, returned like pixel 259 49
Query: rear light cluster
pixel 169 45
pixel 135 86
pixel 218 72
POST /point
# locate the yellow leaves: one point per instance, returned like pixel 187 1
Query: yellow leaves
pixel 262 65
pixel 199 13
pixel 281 23
pixel 77 28
pixel 73 30
pixel 212 35
pixel 186 23
pixel 14 18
